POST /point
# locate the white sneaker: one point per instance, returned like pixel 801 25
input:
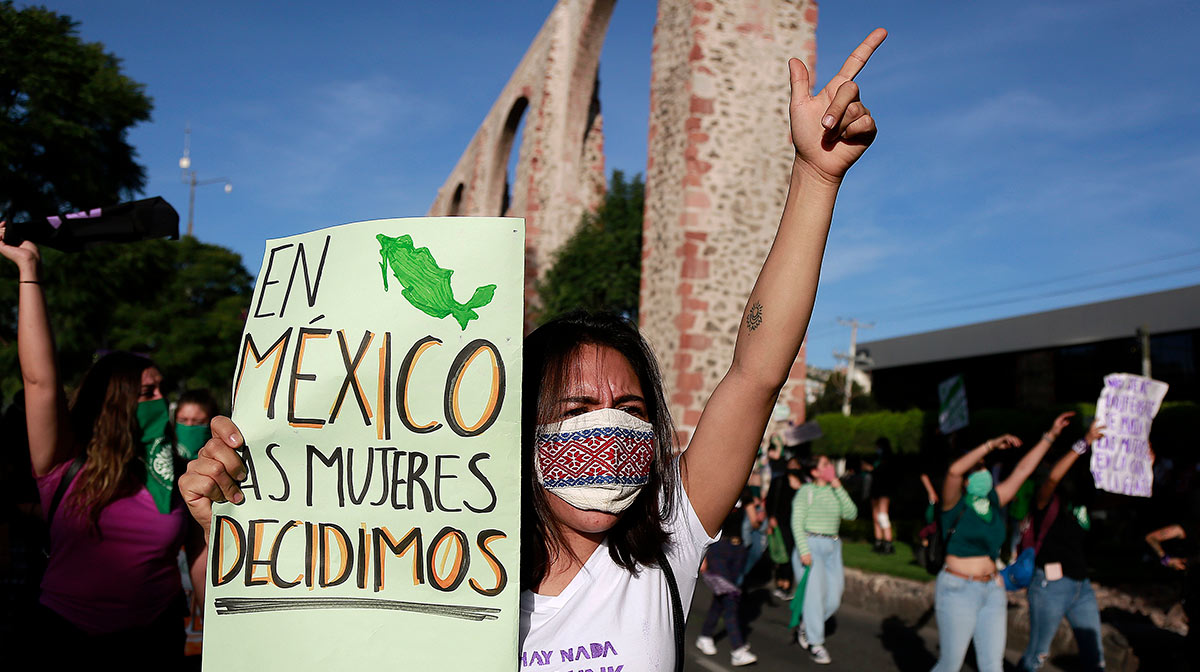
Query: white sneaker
pixel 742 656
pixel 706 645
pixel 801 637
pixel 820 655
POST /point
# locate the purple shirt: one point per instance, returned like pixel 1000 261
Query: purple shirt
pixel 123 578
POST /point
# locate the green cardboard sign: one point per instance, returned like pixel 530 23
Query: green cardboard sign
pixel 378 389
pixel 952 405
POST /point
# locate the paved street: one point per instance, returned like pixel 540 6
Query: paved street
pixel 862 640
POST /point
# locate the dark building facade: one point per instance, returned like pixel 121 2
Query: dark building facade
pixel 1048 358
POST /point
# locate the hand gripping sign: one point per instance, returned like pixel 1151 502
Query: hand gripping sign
pixel 1121 461
pixel 378 390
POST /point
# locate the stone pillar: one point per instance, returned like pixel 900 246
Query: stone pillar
pixel 720 154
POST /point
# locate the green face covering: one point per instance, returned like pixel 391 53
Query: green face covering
pixel 189 439
pixel 979 484
pixel 160 464
pixel 1081 516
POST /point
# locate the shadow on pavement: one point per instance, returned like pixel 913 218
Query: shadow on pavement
pixel 1155 648
pixel 905 644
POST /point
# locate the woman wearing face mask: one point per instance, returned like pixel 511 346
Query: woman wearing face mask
pixel 602 546
pixel 818 510
pixel 106 476
pixel 970 598
pixel 193 412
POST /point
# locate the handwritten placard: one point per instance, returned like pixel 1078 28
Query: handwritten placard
pixel 1121 458
pixel 378 389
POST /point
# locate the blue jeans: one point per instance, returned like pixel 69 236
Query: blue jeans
pixel 756 545
pixel 826 580
pixel 969 610
pixel 1049 601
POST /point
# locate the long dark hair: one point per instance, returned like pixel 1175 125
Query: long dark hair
pixel 638 536
pixel 808 465
pixel 103 421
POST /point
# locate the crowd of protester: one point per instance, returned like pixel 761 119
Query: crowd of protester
pixel 113 474
pixel 998 518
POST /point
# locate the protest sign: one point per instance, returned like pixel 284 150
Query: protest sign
pixel 952 404
pixel 1121 458
pixel 381 416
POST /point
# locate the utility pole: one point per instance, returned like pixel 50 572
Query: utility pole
pixel 1143 334
pixel 851 359
pixel 189 177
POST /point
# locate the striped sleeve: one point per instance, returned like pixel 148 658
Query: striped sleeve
pixel 800 518
pixel 846 505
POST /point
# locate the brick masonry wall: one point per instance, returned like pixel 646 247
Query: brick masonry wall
pixel 560 168
pixel 716 178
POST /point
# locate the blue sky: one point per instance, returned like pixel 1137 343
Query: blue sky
pixel 1027 150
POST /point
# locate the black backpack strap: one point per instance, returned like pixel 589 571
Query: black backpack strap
pixel 65 483
pixel 676 609
pixel 1047 520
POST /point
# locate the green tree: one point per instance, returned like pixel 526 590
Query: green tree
pixel 834 392
pixel 183 303
pixel 599 267
pixel 65 109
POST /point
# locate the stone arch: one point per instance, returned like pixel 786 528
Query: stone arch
pixel 560 161
pixel 504 149
pixel 456 200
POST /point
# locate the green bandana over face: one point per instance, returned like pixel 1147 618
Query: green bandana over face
pixel 160 463
pixel 1081 516
pixel 979 484
pixel 189 439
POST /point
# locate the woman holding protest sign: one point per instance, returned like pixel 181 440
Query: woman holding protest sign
pixel 969 599
pixel 593 555
pixel 105 468
pixel 1060 586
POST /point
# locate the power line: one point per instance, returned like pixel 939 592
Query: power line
pixel 905 310
pixel 1037 283
pixel 1030 297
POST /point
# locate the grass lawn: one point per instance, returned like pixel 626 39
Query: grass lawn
pixel 858 554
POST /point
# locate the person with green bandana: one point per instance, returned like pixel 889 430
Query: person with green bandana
pixel 105 468
pixel 194 410
pixel 970 600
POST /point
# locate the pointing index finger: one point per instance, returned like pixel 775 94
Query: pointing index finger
pixel 858 58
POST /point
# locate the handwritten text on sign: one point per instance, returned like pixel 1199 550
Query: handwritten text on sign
pixel 1121 458
pixel 381 416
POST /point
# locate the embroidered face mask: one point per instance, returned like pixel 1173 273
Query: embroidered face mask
pixel 596 461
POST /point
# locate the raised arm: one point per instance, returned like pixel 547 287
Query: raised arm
pixel 1007 489
pixel 1064 464
pixel 930 492
pixel 1155 539
pixel 952 486
pixel 830 131
pixel 45 404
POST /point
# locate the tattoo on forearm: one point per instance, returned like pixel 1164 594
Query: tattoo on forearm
pixel 754 318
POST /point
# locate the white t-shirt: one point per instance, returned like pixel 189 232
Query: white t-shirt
pixel 608 620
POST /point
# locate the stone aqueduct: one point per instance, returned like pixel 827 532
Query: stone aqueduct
pixel 718 156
